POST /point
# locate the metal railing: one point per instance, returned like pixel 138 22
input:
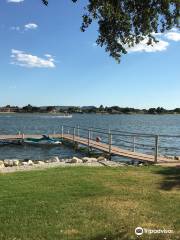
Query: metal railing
pixel 148 143
pixel 145 143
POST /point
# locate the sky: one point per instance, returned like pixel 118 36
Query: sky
pixel 46 60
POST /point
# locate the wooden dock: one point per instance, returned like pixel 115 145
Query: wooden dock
pixel 116 150
pixel 93 144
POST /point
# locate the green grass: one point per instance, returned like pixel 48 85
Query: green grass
pixel 89 203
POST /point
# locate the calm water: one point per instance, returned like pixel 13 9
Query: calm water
pixel 45 124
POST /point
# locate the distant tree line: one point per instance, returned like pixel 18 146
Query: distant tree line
pixel 87 109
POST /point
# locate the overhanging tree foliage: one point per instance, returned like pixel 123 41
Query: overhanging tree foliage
pixel 124 23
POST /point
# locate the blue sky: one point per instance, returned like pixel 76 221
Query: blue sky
pixel 46 60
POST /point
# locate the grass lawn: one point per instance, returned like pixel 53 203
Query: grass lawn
pixel 89 203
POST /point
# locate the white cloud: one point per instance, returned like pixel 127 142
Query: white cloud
pixel 48 55
pixel 15 1
pixel 30 26
pixel 174 29
pixel 174 36
pixel 143 47
pixel 23 59
pixel 157 34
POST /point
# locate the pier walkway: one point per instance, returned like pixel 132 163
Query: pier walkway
pixel 113 142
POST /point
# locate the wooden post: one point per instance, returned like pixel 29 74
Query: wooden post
pixel 74 133
pixel 89 137
pixel 156 149
pixel 134 143
pixel 78 130
pixel 77 145
pixel 110 143
pixel 62 132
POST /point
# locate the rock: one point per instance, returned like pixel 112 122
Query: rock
pixel 62 160
pixel 41 162
pixel 30 163
pixel 2 164
pixel 11 162
pixel 54 159
pixel 101 158
pixel 89 160
pixel 177 158
pixel 85 159
pixel 76 160
pixel 170 157
pixel 8 163
pixel 46 161
pixel 68 160
pixel 35 161
pixel 24 164
pixel 16 162
pixel 93 159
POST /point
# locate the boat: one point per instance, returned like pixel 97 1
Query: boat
pixel 45 140
pixel 66 115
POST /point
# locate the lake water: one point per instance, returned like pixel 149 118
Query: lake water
pixel 48 123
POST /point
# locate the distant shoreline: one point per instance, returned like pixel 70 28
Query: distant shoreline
pixel 68 110
pixel 62 114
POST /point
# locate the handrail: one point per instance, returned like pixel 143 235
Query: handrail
pixel 128 133
pixel 87 129
pixel 122 139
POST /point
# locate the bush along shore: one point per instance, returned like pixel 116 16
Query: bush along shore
pixel 12 165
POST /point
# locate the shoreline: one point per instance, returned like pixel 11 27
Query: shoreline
pixel 98 113
pixel 16 165
pixel 32 165
pixel 46 166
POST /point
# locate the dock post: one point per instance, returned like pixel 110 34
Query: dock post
pixel 78 130
pixel 89 136
pixel 74 133
pixel 62 132
pixel 110 143
pixel 134 143
pixel 156 148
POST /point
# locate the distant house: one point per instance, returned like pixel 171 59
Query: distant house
pixel 9 109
